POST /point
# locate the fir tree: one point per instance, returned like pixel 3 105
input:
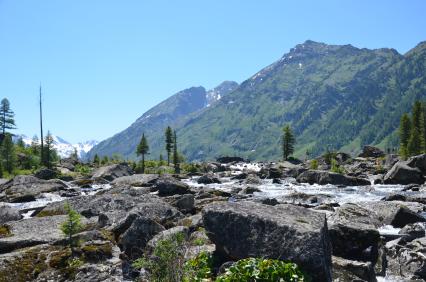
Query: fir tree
pixel 161 159
pixel 96 160
pixel 404 135
pixel 288 141
pixel 8 153
pixel 71 226
pixel 48 150
pixel 35 145
pixel 6 116
pixel 175 154
pixel 105 160
pixel 142 150
pixel 169 142
pixel 20 143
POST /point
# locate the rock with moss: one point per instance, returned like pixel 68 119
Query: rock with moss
pixel 8 213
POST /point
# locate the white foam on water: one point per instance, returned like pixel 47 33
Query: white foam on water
pixel 43 200
pixel 388 230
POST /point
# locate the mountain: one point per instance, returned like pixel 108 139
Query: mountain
pixel 154 121
pixel 334 97
pixel 63 147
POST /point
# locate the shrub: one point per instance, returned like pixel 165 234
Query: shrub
pixel 258 269
pixel 314 164
pixel 167 260
pixel 199 268
pixel 336 168
pixel 72 225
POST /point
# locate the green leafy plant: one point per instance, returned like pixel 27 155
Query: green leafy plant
pixel 259 269
pixel 199 268
pixel 167 260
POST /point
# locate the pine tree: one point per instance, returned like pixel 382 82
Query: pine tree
pixel 20 143
pixel 161 159
pixel 96 160
pixel 404 135
pixel 8 153
pixel 48 150
pixel 143 149
pixel 105 160
pixel 169 142
pixel 175 154
pixel 71 226
pixel 288 142
pixel 6 116
pixel 35 145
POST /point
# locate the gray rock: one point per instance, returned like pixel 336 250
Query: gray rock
pixel 226 160
pixel 244 229
pixel 349 270
pixel 112 172
pixel 403 174
pixel 169 186
pixel 184 203
pixel 407 261
pixel 26 188
pixel 253 179
pixel 353 233
pixel 325 177
pixel 136 180
pixel 371 152
pixel 208 179
pixel 418 162
pixel 168 234
pixel 134 233
pixel 413 231
pixel 33 231
pixel 46 174
pixel 8 213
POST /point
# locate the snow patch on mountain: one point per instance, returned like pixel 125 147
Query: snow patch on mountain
pixel 63 147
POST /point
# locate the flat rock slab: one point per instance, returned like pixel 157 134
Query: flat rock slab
pixel 287 232
pixel 33 231
pixel 136 180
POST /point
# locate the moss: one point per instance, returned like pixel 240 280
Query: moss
pixel 24 268
pixel 5 231
pixel 65 263
pixel 45 213
pixel 107 235
pixel 97 252
pixel 59 259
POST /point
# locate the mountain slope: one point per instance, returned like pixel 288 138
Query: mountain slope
pixel 154 121
pixel 339 97
pixel 334 96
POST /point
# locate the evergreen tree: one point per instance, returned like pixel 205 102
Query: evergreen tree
pixel 169 142
pixel 175 154
pixel 20 143
pixel 8 153
pixel 415 142
pixel 35 145
pixel 96 160
pixel 6 116
pixel 288 142
pixel 48 150
pixel 418 124
pixel 143 149
pixel 105 160
pixel 71 226
pixel 404 135
pixel 161 159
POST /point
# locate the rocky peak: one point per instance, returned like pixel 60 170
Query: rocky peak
pixel 220 91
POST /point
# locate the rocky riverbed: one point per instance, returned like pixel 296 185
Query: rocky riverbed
pixel 365 225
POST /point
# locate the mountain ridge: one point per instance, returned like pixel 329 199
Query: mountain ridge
pixel 334 96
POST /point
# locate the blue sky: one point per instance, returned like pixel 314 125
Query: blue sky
pixel 103 63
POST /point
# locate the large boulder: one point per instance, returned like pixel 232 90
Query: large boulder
pixel 112 172
pixel 31 232
pixel 136 180
pixel 8 213
pixel 134 233
pixel 246 229
pixel 349 270
pixel 26 188
pixel 354 234
pixel 403 174
pixel 169 186
pixel 208 179
pixel 418 162
pixel 371 152
pixel 46 174
pixel 407 260
pixel 325 177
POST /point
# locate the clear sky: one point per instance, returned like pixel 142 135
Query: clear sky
pixel 103 63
